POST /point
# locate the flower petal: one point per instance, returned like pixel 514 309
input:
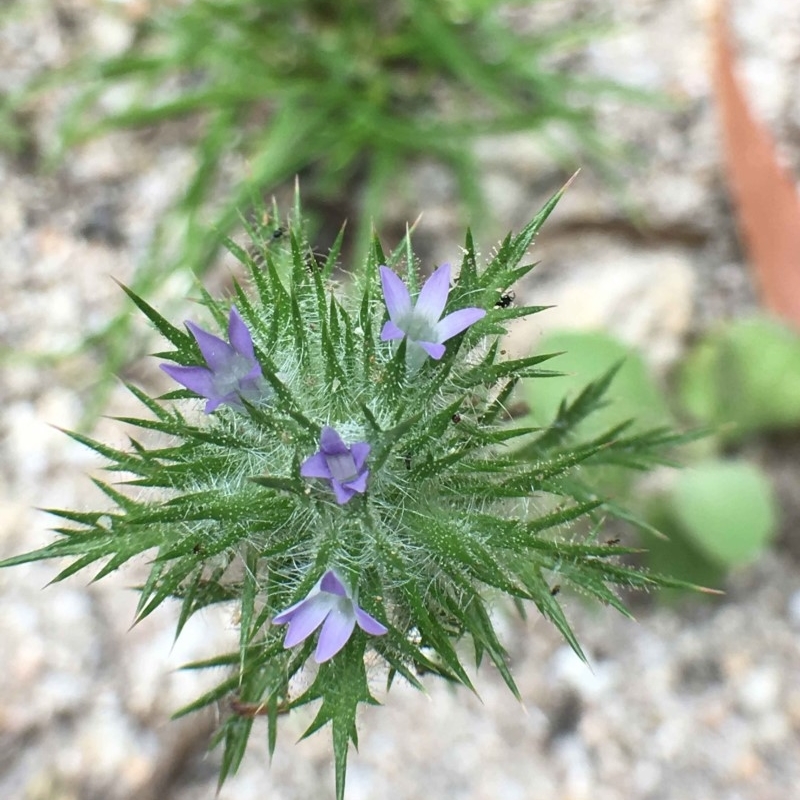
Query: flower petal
pixel 433 349
pixel 335 632
pixel 307 618
pixel 216 352
pixel 391 331
pixel 315 467
pixel 359 451
pixel 253 376
pixel 239 335
pixel 286 615
pixel 458 321
pixel 395 294
pixel 215 402
pixel 332 583
pixel 197 379
pixel 358 484
pixel 342 493
pixel 433 297
pixel 253 389
pixel 331 444
pixel 369 624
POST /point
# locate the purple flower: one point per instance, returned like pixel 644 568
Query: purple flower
pixel 421 323
pixel 343 466
pixel 231 370
pixel 331 605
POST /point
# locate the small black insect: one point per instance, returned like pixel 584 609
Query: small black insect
pixel 278 233
pixel 505 300
pixel 456 418
pixel 555 590
pixel 612 542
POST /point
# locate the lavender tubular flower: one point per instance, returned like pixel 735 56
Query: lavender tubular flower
pixel 330 605
pixel 420 322
pixel 339 464
pixel 231 372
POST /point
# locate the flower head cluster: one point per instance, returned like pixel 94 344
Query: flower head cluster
pixel 421 322
pixel 340 465
pixel 331 605
pixel 443 478
pixel 231 372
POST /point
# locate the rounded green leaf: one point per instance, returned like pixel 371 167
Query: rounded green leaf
pixel 746 376
pixel 726 508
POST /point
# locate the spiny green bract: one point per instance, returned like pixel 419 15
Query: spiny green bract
pixel 460 501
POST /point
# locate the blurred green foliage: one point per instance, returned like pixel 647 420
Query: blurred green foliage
pixel 719 512
pixel 744 378
pixel 345 92
pixel 727 508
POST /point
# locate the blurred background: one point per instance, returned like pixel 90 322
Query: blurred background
pixel 133 133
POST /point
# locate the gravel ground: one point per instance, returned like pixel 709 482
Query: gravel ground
pixel 699 700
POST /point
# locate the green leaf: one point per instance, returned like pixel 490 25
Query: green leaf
pixel 289 485
pixel 551 609
pixel 498 405
pixel 542 471
pixel 333 254
pixel 468 275
pixel 176 336
pixel 569 415
pixel 477 621
pixel 518 368
pixel 744 378
pixel 521 536
pixel 341 684
pixel 604 383
pixel 212 696
pixel 166 584
pixel 390 438
pixel 500 273
pixel 234 735
pixel 393 377
pixel 727 508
